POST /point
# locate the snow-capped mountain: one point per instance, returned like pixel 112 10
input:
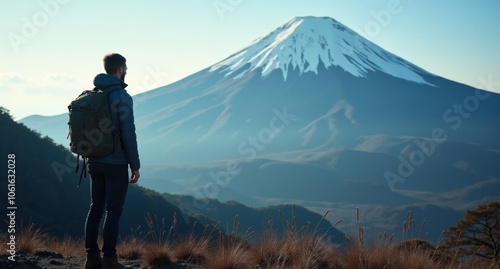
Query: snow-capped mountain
pixel 313 112
pixel 303 43
pixel 326 84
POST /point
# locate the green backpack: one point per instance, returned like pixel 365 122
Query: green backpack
pixel 90 126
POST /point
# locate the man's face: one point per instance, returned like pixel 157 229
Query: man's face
pixel 124 72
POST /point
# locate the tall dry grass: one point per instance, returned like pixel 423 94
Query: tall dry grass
pixel 297 247
pixel 230 250
pixel 231 253
pixel 194 248
pixel 132 248
pixel 31 238
pixel 67 246
pixel 158 249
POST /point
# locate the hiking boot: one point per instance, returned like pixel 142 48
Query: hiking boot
pixel 94 261
pixel 112 263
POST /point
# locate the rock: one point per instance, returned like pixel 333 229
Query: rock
pixel 54 262
pixel 48 254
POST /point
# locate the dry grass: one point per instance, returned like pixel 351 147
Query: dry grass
pixel 157 255
pixel 268 252
pixel 230 252
pixel 68 246
pixel 192 249
pixel 31 238
pixel 157 251
pixel 294 251
pixel 379 256
pixel 131 249
pixel 133 246
pixel 296 248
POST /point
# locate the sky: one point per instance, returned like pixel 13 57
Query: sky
pixel 50 50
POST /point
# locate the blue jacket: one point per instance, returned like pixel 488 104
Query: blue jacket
pixel 122 116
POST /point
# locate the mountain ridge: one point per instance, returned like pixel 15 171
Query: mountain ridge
pixel 56 205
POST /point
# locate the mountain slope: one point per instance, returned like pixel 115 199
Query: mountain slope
pixel 234 217
pixel 453 177
pixel 46 192
pixel 47 195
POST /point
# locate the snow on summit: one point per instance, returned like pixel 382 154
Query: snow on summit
pixel 305 42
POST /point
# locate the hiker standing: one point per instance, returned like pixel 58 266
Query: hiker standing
pixel 109 173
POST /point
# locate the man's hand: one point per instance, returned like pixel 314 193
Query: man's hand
pixel 135 177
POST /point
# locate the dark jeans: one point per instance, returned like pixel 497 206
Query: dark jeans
pixel 109 184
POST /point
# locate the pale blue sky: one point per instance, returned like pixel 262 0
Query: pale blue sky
pixel 50 50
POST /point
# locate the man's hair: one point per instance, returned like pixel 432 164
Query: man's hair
pixel 113 62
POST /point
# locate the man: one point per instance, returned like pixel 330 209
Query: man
pixel 109 174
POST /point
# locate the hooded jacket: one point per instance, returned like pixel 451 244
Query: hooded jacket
pixel 122 117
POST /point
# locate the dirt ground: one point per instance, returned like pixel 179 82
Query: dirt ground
pixel 49 260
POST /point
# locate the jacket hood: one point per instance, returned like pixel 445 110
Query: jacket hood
pixel 105 80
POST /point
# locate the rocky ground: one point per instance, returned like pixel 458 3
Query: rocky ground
pixel 50 260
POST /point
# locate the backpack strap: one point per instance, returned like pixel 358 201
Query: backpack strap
pixel 77 162
pixel 83 173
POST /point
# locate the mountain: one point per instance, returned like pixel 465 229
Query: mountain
pixel 58 206
pixel 305 43
pixel 317 82
pixel 314 113
pixel 454 178
pixel 256 222
pixel 50 199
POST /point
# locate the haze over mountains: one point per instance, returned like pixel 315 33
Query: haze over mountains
pixel 57 207
pixel 315 114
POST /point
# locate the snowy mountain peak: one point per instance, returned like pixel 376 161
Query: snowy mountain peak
pixel 305 42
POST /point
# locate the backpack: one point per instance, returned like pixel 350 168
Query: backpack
pixel 90 125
